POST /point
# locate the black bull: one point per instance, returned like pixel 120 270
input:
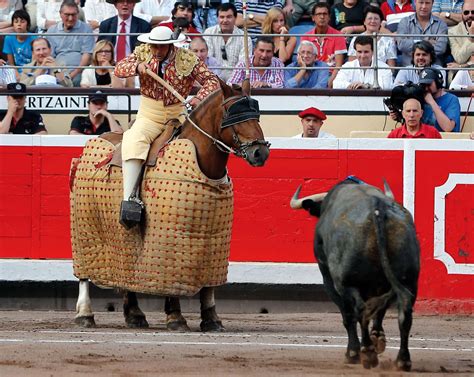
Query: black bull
pixel 368 254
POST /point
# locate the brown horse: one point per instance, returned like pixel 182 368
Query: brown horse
pixel 226 122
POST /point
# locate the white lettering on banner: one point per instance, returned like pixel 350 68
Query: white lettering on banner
pixel 57 102
pixel 440 252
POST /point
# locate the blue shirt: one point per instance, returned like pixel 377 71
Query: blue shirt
pixel 21 51
pixel 317 78
pixel 449 104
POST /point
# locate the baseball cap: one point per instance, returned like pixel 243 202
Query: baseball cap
pixel 428 75
pixel 98 97
pixel 314 112
pixel 16 89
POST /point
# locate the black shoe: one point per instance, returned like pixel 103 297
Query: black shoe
pixel 131 212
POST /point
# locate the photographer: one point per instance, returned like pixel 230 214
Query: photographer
pixel 440 109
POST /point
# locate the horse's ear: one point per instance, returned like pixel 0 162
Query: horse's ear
pixel 246 87
pixel 226 89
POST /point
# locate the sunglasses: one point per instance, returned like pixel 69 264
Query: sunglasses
pixel 224 53
pixel 466 12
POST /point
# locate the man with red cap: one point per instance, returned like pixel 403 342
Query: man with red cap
pixel 312 121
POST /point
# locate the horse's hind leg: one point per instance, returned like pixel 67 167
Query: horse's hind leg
pixel 84 316
pixel 174 319
pixel 134 317
pixel 210 321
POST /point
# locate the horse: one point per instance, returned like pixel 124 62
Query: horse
pixel 225 122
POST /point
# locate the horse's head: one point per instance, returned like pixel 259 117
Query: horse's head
pixel 240 128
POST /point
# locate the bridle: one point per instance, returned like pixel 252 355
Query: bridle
pixel 237 109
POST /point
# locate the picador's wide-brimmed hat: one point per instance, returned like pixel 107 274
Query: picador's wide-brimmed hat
pixel 113 2
pixel 161 35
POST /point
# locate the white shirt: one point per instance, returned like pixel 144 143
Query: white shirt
pixel 146 9
pixel 321 135
pixel 345 77
pixel 47 10
pixel 98 10
pixel 461 81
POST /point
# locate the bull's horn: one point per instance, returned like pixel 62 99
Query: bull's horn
pixel 296 203
pixel 388 190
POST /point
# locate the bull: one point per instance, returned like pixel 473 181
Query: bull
pixel 369 257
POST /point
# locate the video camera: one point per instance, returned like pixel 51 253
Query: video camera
pixel 400 94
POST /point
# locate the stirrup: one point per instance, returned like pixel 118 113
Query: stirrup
pixel 132 212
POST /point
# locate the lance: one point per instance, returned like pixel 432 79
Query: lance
pixel 246 41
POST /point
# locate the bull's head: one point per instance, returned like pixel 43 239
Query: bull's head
pixel 311 203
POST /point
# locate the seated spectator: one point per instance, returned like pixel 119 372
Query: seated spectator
pixel 123 22
pixel 153 11
pixel 363 78
pixel 48 13
pixel 331 48
pixel 423 56
pixel 448 10
pixel 41 56
pixel 182 9
pixel 71 50
pixel 96 11
pixel 275 23
pixel 228 50
pixel 256 13
pixel 16 119
pixel 312 121
pixel 18 47
pixel 206 14
pixel 422 22
pixel 442 109
pixel 7 8
pixel 103 55
pixel 263 60
pixel 98 121
pixel 412 127
pixel 199 47
pixel 464 79
pixel 300 8
pixel 462 48
pixel 394 11
pixel 306 78
pixel 386 48
pixel 348 16
pixel 7 75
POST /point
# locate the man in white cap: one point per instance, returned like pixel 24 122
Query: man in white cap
pixel 177 66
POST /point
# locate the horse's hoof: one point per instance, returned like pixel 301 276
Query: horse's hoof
pixel 212 326
pixel 178 326
pixel 85 321
pixel 352 357
pixel 403 365
pixel 137 322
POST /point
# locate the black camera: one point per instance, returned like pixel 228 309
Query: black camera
pixel 400 94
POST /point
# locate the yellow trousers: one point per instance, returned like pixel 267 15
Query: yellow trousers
pixel 150 123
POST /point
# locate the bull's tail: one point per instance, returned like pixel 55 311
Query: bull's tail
pixel 380 219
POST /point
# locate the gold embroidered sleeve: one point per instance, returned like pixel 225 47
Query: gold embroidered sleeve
pixel 208 80
pixel 127 67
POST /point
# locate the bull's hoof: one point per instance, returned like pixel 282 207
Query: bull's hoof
pixel 85 321
pixel 368 357
pixel 212 326
pixel 352 357
pixel 136 322
pixel 379 341
pixel 404 365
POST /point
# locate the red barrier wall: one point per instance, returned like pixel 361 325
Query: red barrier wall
pixel 433 179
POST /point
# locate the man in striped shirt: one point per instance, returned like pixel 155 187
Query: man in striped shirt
pixel 263 76
pixel 7 75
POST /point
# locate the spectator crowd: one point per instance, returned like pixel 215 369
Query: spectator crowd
pixel 338 49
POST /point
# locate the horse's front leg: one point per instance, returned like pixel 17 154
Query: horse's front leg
pixel 210 321
pixel 134 317
pixel 84 316
pixel 174 319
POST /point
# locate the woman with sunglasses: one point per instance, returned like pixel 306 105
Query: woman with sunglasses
pixel 103 56
pixel 275 23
